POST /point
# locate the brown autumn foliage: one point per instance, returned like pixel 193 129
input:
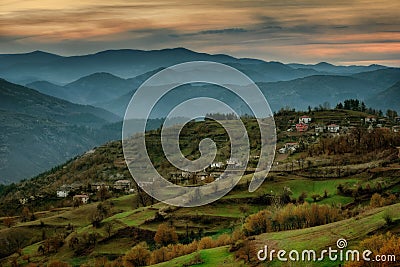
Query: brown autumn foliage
pixel 257 223
pixel 172 251
pixel 358 141
pixel 245 250
pixel 291 217
pixel 384 244
pixel 165 235
pixel 139 255
pixel 379 201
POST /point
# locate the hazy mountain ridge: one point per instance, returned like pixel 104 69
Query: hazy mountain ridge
pixel 20 99
pixel 127 63
pixel 315 90
pixel 40 131
pixel 341 70
pixel 385 77
pixel 387 99
pixel 298 93
pixel 86 90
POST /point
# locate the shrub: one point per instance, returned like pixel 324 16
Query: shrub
pixel 165 235
pixel 139 255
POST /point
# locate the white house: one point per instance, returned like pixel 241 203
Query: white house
pixel 319 129
pixel 370 119
pixel 289 148
pixel 282 150
pixel 304 119
pixel 333 128
pixel 216 165
pixel 82 198
pixel 122 185
pixel 62 193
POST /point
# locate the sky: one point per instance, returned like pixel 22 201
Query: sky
pixel 342 32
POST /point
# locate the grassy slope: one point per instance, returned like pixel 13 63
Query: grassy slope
pixel 353 230
pixel 124 216
pixel 211 257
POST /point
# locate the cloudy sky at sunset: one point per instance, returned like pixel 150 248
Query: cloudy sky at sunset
pixel 342 32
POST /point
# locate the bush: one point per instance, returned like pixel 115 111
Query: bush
pixel 387 216
pixel 165 235
pixel 139 255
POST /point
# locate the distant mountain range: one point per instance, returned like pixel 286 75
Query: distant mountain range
pixel 40 131
pixel 298 93
pixel 108 79
pixel 340 70
pixel 95 89
pixel 79 101
pixel 127 63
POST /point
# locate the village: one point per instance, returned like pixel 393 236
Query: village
pixel 306 126
pixel 297 133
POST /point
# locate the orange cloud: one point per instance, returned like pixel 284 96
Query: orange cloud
pixel 304 30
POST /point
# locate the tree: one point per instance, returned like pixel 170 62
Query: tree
pixel 257 223
pixel 103 193
pixel 302 197
pixel 376 201
pixel 76 203
pixel 53 244
pixel 12 242
pixel 391 114
pixel 26 214
pixel 139 255
pixel 99 214
pixel 165 235
pixel 109 227
pixel 246 250
pixel 363 107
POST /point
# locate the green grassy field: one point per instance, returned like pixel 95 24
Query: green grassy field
pixel 211 257
pixel 353 230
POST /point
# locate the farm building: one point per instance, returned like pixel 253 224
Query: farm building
pixel 333 128
pixel 82 198
pixel 304 119
pixel 370 119
pixel 301 127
